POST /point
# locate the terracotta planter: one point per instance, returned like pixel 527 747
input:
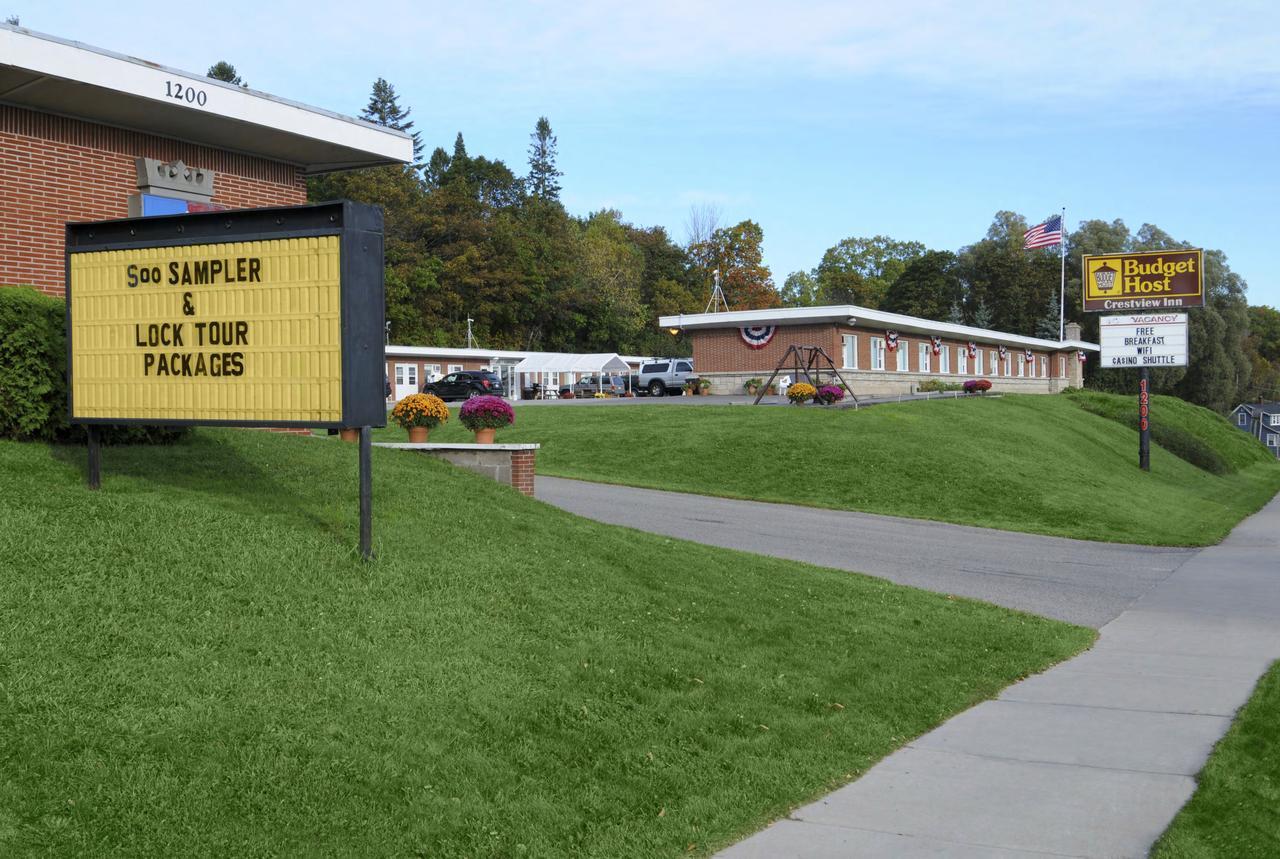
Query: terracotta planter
pixel 485 436
pixel 418 435
pixel 352 435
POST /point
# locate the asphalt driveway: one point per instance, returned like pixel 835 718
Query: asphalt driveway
pixel 1072 580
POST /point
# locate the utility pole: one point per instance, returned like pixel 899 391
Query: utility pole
pixel 469 339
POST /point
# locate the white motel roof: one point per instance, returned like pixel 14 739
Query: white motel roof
pixel 852 314
pixel 52 75
pixel 393 352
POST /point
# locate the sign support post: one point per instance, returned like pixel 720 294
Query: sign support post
pixel 366 493
pixel 1144 420
pixel 95 457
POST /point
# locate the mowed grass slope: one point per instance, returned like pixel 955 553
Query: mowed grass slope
pixel 193 662
pixel 1024 463
pixel 1235 811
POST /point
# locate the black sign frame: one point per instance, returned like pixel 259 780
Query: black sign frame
pixel 361 289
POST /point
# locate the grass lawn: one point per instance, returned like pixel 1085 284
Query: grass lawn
pixel 195 663
pixel 1235 811
pixel 1040 464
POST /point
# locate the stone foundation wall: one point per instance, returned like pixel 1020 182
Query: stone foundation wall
pixel 889 384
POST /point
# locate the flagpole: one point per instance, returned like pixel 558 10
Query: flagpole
pixel 1062 294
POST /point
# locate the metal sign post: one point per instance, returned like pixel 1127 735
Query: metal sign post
pixel 366 493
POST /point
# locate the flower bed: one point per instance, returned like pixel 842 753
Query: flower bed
pixel 976 386
pixel 829 394
pixel 420 410
pixel 801 392
pixel 487 412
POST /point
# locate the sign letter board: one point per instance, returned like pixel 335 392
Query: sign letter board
pixel 1144 340
pixel 257 317
pixel 1148 281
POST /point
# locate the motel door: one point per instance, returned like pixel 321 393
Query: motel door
pixel 406 380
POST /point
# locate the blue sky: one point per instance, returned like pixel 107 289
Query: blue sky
pixel 819 121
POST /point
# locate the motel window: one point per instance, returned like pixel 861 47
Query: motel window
pixel 1020 362
pixel 400 374
pixel 977 362
pixel 850 351
pixel 996 367
pixel 904 360
pixel 944 360
pixel 877 353
pixel 960 356
pixel 922 358
pixel 431 372
pixel 1044 367
pixel 455 368
pixel 1062 367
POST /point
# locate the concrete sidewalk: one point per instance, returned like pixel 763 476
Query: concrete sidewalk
pixel 1092 758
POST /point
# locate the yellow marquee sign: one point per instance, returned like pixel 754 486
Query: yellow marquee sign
pixel 242 331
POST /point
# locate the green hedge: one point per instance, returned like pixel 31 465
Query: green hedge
pixel 33 375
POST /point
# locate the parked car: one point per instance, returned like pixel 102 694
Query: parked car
pixel 664 376
pixel 465 385
pixel 589 386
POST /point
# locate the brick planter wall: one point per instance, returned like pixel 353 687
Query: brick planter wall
pixel 512 464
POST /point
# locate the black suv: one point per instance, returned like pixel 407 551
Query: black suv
pixel 465 385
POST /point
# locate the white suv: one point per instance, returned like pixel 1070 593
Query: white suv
pixel 663 375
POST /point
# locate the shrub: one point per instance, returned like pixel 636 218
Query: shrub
pixel 486 412
pixel 930 385
pixel 33 375
pixel 976 386
pixel 420 410
pixel 801 392
pixel 752 383
pixel 829 394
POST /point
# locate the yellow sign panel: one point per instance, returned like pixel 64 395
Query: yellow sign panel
pixel 237 331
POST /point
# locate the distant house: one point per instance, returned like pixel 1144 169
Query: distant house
pixel 1261 420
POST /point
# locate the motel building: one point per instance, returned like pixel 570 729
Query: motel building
pixel 89 135
pixel 411 367
pixel 877 353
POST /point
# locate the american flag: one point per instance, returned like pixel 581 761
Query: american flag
pixel 1044 235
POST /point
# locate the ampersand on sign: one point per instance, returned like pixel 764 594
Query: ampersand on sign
pixel 187 308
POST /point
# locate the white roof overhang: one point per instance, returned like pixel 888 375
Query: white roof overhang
pixel 852 314
pixel 568 362
pixel 51 75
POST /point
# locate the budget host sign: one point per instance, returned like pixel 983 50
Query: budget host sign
pixel 263 317
pixel 1154 280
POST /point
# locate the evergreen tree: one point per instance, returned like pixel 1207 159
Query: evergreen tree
pixel 982 316
pixel 224 71
pixel 928 287
pixel 1049 325
pixel 543 175
pixel 13 21
pixel 955 315
pixel 384 109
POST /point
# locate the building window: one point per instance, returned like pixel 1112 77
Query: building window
pixel 1241 419
pixel 1274 420
pixel 1062 366
pixel 977 363
pixel 1044 367
pixel 877 353
pixel 850 351
pixel 904 360
pixel 960 356
pixel 1273 440
pixel 922 358
pixel 996 367
pixel 944 360
pixel 455 368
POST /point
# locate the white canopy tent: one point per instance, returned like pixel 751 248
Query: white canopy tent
pixel 547 367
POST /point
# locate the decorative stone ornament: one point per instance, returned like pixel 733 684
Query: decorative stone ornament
pixel 174 179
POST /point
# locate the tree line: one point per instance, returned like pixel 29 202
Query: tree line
pixel 469 238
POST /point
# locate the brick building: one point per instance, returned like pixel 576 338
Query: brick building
pixel 877 353
pixel 86 134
